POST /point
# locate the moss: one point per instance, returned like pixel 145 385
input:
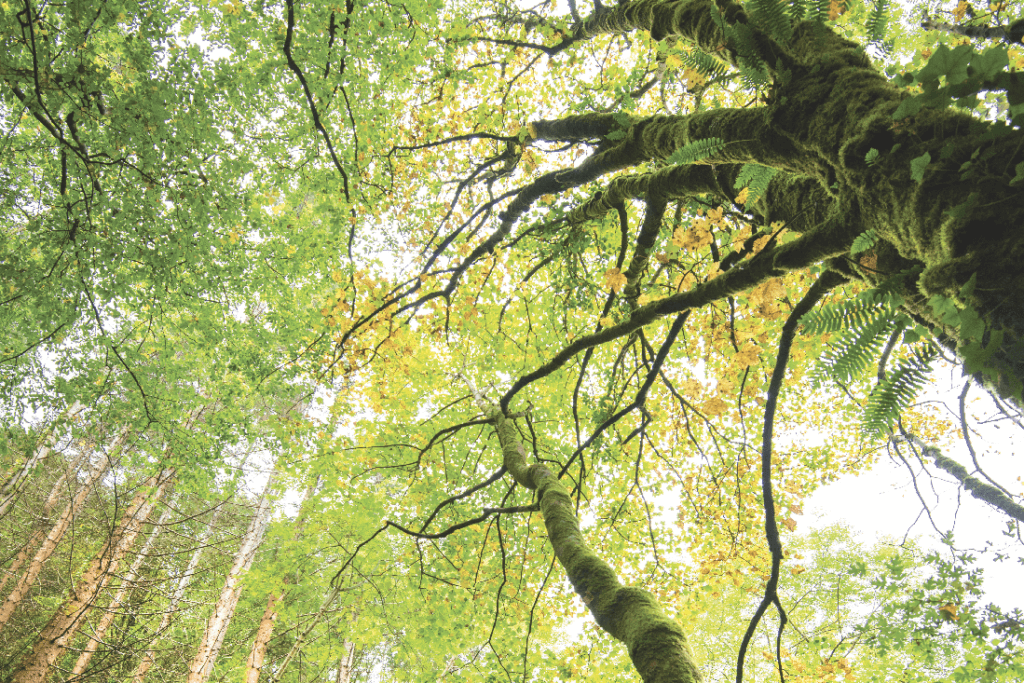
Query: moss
pixel 657 645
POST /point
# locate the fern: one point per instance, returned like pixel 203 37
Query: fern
pixel 897 391
pixel 797 9
pixel 864 241
pixel 704 64
pixel 819 9
pixel 877 22
pixel 855 351
pixel 772 14
pixel 696 150
pixel 852 314
pixel 756 178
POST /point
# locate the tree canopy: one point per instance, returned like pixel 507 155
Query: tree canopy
pixel 351 340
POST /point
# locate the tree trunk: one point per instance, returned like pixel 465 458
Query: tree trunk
pixel 66 620
pixel 300 641
pixel 254 665
pixel 206 656
pixel 37 535
pixel 127 582
pixel 345 663
pixel 657 645
pixel 28 579
pixel 149 657
pixel 10 489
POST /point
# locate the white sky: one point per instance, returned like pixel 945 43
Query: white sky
pixel 883 503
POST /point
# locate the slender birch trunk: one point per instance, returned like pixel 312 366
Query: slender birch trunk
pixel 314 620
pixel 127 582
pixel 10 488
pixel 66 620
pixel 254 665
pixel 216 628
pixel 149 657
pixel 49 544
pixel 346 662
pixel 38 534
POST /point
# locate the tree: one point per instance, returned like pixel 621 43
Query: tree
pixel 539 263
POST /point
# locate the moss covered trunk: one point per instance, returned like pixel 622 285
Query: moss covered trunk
pixel 934 184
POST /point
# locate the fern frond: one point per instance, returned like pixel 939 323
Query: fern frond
pixel 707 66
pixel 897 391
pixel 819 9
pixel 797 9
pixel 855 351
pixel 836 317
pixel 696 150
pixel 756 178
pixel 878 22
pixel 772 14
pixel 864 241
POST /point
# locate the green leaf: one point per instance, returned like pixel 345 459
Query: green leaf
pixel 949 63
pixel 918 165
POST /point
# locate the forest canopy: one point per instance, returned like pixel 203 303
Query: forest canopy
pixel 489 341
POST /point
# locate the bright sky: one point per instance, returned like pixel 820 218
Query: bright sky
pixel 883 503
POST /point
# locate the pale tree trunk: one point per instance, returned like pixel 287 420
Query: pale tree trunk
pixel 66 620
pixel 216 628
pixel 49 544
pixel 38 534
pixel 127 582
pixel 300 641
pixel 346 662
pixel 254 665
pixel 11 487
pixel 172 607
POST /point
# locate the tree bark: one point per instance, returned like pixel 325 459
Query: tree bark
pixel 216 628
pixel 49 544
pixel 254 665
pixel 111 613
pixel 38 534
pixel 346 662
pixel 66 620
pixel 10 489
pixel 149 658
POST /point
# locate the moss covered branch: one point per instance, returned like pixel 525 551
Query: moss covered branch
pixel 984 492
pixel 657 644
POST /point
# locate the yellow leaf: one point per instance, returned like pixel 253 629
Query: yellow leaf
pixel 741 198
pixel 336 276
pixel 960 11
pixel 789 523
pixel 606 321
pixel 715 406
pixel 614 279
pixel 644 299
pixel 797 570
pixel 948 612
pixel 673 62
pixel 747 354
pixel 292 249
